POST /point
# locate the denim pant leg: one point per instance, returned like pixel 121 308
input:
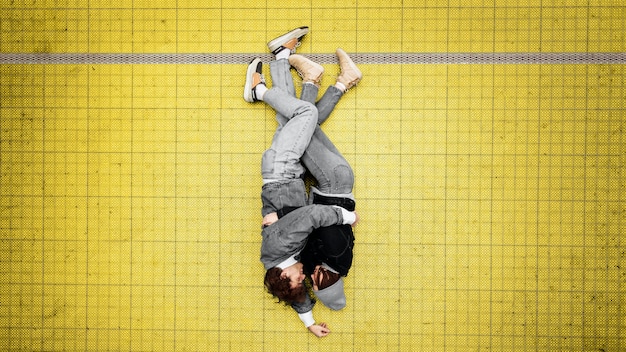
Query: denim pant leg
pixel 280 70
pixel 331 170
pixel 282 160
pixel 326 104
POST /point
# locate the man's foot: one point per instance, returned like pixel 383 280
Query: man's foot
pixel 254 78
pixel 309 71
pixel 289 40
pixel 350 74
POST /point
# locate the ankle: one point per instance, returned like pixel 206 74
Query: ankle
pixel 342 87
pixel 283 54
pixel 317 84
pixel 259 91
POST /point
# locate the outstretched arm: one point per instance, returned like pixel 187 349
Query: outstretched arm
pixel 305 313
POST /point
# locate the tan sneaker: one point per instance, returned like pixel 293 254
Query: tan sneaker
pixel 290 40
pixel 309 71
pixel 350 74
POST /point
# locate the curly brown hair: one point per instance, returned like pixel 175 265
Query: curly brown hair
pixel 281 287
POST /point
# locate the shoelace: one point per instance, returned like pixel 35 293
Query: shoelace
pixel 298 43
pixel 302 76
pixel 352 84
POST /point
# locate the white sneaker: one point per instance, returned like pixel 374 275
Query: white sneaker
pixel 289 40
pixel 254 77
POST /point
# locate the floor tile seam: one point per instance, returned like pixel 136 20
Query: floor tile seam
pixel 322 58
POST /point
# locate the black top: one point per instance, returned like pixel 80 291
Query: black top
pixel 332 245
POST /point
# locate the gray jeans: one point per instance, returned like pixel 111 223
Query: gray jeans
pixel 293 134
pixel 331 170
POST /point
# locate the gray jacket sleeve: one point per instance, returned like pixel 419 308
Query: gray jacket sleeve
pixel 303 307
pixel 287 236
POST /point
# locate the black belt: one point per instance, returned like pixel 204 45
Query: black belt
pixel 343 202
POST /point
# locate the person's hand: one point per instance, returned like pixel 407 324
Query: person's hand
pixel 357 219
pixel 320 330
pixel 270 219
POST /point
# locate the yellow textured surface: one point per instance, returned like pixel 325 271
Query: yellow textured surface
pixel 492 197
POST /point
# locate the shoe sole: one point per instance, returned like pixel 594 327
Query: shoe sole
pixel 247 89
pixel 296 33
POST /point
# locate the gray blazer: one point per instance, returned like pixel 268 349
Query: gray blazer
pixel 287 236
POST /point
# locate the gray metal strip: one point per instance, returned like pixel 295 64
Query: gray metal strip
pixel 359 58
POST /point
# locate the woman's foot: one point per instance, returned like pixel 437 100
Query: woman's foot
pixel 307 69
pixel 350 74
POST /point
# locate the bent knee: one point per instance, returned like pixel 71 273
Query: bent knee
pixel 307 109
pixel 344 179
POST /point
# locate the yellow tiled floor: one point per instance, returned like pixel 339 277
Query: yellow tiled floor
pixel 491 196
